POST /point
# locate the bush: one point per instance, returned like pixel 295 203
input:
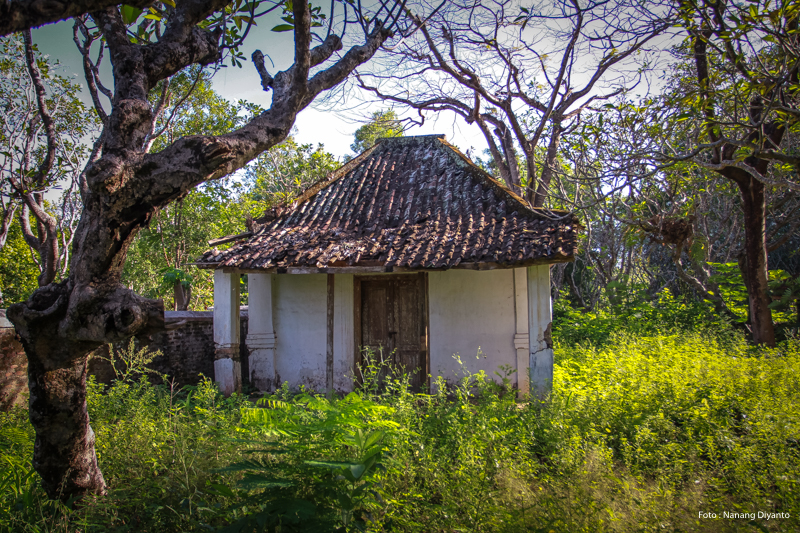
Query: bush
pixel 157 447
pixel 635 315
pixel 640 434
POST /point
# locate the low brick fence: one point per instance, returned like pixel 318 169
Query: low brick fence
pixel 13 366
pixel 187 351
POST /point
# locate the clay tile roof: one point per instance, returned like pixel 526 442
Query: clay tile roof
pixel 406 203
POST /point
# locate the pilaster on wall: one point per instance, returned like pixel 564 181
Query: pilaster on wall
pixel 521 337
pixel 540 318
pixel 343 334
pixel 261 332
pixel 227 365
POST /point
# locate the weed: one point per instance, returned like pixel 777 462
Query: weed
pixel 641 433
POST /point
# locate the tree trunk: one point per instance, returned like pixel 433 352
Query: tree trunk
pixel 510 160
pixel 63 453
pixel 551 157
pixel 755 272
pixel 182 295
pixel 573 286
pixel 60 417
pixel 58 327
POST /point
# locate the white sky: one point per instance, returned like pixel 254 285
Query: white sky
pixel 312 126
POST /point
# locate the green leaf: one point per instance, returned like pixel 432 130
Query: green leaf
pixel 374 438
pixel 130 14
pixel 283 27
pixel 223 490
pixel 358 470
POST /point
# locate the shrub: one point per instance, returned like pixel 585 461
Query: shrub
pixel 635 315
pixel 640 434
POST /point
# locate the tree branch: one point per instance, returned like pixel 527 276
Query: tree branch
pixel 20 15
pixel 47 120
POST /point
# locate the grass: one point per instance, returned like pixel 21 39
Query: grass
pixel 641 433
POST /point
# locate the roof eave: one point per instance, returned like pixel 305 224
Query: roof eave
pixel 383 268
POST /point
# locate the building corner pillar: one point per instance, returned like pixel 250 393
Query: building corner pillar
pixel 521 337
pixel 227 364
pixel 540 318
pixel 261 333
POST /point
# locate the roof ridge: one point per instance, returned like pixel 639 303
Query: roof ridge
pixel 407 138
pixel 493 182
pixel 323 183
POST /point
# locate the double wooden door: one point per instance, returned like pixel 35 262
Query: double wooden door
pixel 393 322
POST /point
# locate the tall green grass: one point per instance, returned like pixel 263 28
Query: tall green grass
pixel 641 433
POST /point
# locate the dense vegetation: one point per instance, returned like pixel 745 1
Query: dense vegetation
pixel 687 193
pixel 645 428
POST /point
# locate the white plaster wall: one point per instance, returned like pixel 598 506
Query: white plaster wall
pixel 470 310
pixel 300 308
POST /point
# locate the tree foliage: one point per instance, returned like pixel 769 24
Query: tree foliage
pixel 382 124
pixel 728 112
pixel 281 173
pixel 18 270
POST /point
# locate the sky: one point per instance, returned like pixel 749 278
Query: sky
pixel 334 129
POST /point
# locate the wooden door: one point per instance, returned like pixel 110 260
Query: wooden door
pixel 392 322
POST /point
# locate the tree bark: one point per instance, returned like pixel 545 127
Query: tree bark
pixel 18 15
pixel 182 295
pixel 576 292
pixel 755 264
pixel 64 453
pixel 551 157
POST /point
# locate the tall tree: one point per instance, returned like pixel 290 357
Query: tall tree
pixel 523 75
pixel 731 108
pixel 125 186
pixel 41 150
pixel 748 57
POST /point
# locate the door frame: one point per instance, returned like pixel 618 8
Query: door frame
pixel 425 346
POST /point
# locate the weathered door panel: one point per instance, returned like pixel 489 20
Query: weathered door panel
pixel 375 314
pixel 392 322
pixel 408 321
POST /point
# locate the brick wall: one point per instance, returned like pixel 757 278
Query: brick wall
pixel 13 367
pixel 188 351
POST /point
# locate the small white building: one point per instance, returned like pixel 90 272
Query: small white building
pixel 410 249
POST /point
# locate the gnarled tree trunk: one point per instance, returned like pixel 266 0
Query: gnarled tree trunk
pixel 64 450
pixel 57 342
